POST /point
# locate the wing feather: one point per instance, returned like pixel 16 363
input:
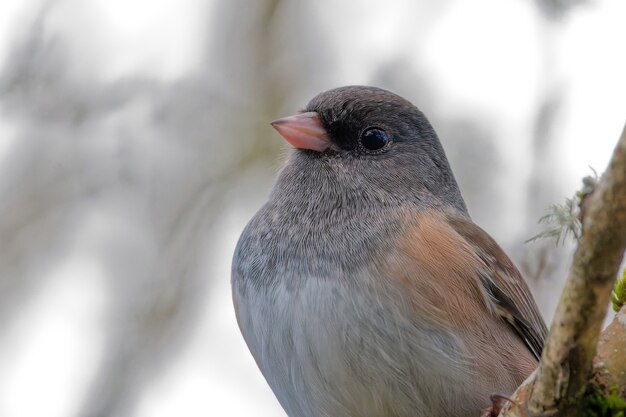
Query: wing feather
pixel 507 289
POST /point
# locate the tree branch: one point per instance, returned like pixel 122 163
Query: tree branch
pixel 558 385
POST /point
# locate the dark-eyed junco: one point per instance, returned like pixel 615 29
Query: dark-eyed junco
pixel 362 287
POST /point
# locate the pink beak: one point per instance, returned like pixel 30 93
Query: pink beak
pixel 303 131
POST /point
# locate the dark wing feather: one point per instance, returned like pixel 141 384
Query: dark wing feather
pixel 505 285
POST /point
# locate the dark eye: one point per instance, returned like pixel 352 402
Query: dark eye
pixel 374 139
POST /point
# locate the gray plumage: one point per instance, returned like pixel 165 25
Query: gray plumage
pixel 335 309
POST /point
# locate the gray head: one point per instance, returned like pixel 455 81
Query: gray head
pixel 365 144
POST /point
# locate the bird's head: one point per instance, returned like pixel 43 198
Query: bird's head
pixel 369 141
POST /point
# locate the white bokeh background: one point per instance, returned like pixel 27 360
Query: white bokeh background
pixel 165 97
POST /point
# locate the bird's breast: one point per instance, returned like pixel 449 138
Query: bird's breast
pixel 343 347
pixel 327 241
pixel 330 330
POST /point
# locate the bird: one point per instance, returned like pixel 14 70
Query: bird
pixel 363 288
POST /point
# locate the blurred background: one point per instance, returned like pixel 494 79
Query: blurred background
pixel 135 144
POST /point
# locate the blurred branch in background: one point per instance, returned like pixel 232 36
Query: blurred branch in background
pixel 86 154
pixel 557 9
pixel 151 159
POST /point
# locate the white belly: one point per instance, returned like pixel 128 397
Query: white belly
pixel 332 348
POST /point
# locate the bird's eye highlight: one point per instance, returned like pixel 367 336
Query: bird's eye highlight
pixel 374 139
